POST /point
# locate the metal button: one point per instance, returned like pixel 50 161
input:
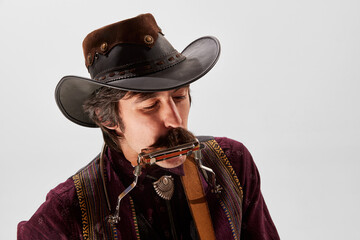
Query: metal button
pixel 148 39
pixel 104 47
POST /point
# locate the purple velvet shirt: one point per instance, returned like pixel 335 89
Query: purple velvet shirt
pixel 59 217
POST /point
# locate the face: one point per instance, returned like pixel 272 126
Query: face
pixel 148 118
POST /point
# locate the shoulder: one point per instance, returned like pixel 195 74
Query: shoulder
pixel 240 158
pixel 233 149
pixel 64 192
pixel 231 146
pixel 63 198
pixel 256 218
pixel 58 216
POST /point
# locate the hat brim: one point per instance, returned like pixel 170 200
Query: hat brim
pixel 201 55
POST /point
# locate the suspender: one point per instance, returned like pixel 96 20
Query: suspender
pixel 197 201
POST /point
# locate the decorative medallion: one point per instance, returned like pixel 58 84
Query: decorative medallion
pixel 164 187
pixel 104 47
pixel 148 39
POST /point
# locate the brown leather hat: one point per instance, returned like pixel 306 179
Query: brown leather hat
pixel 133 55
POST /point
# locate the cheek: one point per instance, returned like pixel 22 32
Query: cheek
pixel 184 114
pixel 141 131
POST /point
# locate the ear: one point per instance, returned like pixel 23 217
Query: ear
pixel 108 125
pixel 115 129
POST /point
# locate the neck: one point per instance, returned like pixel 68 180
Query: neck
pixel 129 154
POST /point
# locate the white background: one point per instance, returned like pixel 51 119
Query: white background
pixel 286 85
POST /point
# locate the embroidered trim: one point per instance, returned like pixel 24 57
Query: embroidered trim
pixel 232 194
pixel 215 146
pixel 92 203
pixel 115 233
pixel 137 232
pixel 82 203
pixel 229 219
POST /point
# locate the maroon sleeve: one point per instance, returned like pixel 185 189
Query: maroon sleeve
pixel 59 217
pixel 256 221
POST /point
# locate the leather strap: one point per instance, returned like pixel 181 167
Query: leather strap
pixel 197 201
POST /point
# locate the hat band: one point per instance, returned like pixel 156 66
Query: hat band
pixel 140 69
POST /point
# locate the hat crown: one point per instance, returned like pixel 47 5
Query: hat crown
pixel 141 30
pixel 131 60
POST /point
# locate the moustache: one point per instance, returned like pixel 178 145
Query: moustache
pixel 175 136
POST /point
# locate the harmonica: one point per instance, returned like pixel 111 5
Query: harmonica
pixel 161 155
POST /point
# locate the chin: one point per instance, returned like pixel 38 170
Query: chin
pixel 172 162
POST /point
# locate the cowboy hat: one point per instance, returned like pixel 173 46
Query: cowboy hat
pixel 133 55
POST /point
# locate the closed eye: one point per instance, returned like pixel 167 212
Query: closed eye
pixel 152 106
pixel 179 98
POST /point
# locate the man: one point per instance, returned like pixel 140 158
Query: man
pixel 153 179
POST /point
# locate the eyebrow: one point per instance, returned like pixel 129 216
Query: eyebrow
pixel 145 96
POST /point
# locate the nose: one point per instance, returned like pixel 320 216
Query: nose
pixel 171 116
